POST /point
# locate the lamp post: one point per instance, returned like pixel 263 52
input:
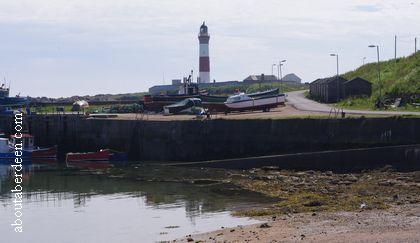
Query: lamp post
pixel 363 61
pixel 336 55
pixel 272 69
pixel 338 86
pixel 272 74
pixel 280 75
pixel 379 71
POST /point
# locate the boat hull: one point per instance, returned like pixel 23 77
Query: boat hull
pixel 262 103
pixel 45 154
pixel 8 157
pixel 91 160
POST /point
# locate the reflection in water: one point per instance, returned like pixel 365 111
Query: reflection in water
pixel 121 210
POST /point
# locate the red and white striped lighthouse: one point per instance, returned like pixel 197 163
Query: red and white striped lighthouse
pixel 204 38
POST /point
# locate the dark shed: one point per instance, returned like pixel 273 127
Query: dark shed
pixel 331 89
pixel 357 87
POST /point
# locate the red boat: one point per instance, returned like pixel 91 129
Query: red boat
pixel 45 153
pixel 90 160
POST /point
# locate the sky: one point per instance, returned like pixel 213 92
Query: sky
pixel 62 48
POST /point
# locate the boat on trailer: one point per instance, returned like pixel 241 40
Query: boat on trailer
pixel 243 102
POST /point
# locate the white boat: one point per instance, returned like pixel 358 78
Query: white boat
pixel 243 101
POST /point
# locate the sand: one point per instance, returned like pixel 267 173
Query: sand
pixel 397 224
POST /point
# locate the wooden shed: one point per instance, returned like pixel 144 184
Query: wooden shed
pixel 357 87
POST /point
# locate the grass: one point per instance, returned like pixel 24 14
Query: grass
pixel 90 109
pixel 400 78
pixel 255 87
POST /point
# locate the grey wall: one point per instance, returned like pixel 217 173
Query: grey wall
pixel 217 139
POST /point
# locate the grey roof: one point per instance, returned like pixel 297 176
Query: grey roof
pixel 328 80
pixel 291 77
pixel 258 77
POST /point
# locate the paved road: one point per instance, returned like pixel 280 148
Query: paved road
pixel 300 102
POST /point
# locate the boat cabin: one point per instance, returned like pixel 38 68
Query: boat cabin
pixel 4 145
pixel 238 98
pixel 27 141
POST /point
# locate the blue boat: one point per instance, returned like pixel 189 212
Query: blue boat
pixel 29 151
pixel 7 152
pixel 6 101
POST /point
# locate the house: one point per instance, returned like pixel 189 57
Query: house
pixel 260 78
pixel 292 78
pixel 357 87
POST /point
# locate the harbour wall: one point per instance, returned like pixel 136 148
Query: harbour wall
pixel 216 139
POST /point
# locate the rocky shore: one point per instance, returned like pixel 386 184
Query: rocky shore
pixel 379 205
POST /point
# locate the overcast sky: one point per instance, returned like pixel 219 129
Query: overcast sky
pixel 62 48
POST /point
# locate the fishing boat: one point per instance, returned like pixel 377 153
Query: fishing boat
pixel 186 106
pixel 242 102
pixel 6 101
pixel 90 160
pixel 29 150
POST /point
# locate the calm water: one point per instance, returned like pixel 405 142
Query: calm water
pixel 63 208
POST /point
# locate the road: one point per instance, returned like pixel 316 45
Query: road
pixel 300 102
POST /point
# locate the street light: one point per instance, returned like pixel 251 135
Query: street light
pixel 364 58
pixel 338 86
pixel 335 55
pixel 280 75
pixel 379 71
pixel 272 73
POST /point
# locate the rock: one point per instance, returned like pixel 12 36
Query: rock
pixel 352 178
pixel 334 181
pixel 302 236
pixel 387 183
pixel 264 225
pixel 314 203
pixel 329 173
pixel 189 239
pixel 395 197
pixel 323 191
pixel 314 214
pixel 232 230
pixel 266 168
pixel 345 182
pixel 265 177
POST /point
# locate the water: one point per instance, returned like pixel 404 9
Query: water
pixel 59 207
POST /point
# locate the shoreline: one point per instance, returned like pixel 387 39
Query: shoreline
pixel 397 224
pixel 373 205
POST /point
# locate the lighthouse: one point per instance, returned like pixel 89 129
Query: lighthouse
pixel 203 37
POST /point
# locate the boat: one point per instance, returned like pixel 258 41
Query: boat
pixel 6 101
pixel 90 160
pixel 242 102
pixel 45 153
pixel 7 153
pixel 29 150
pixel 217 103
pixel 186 106
pixel 119 159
